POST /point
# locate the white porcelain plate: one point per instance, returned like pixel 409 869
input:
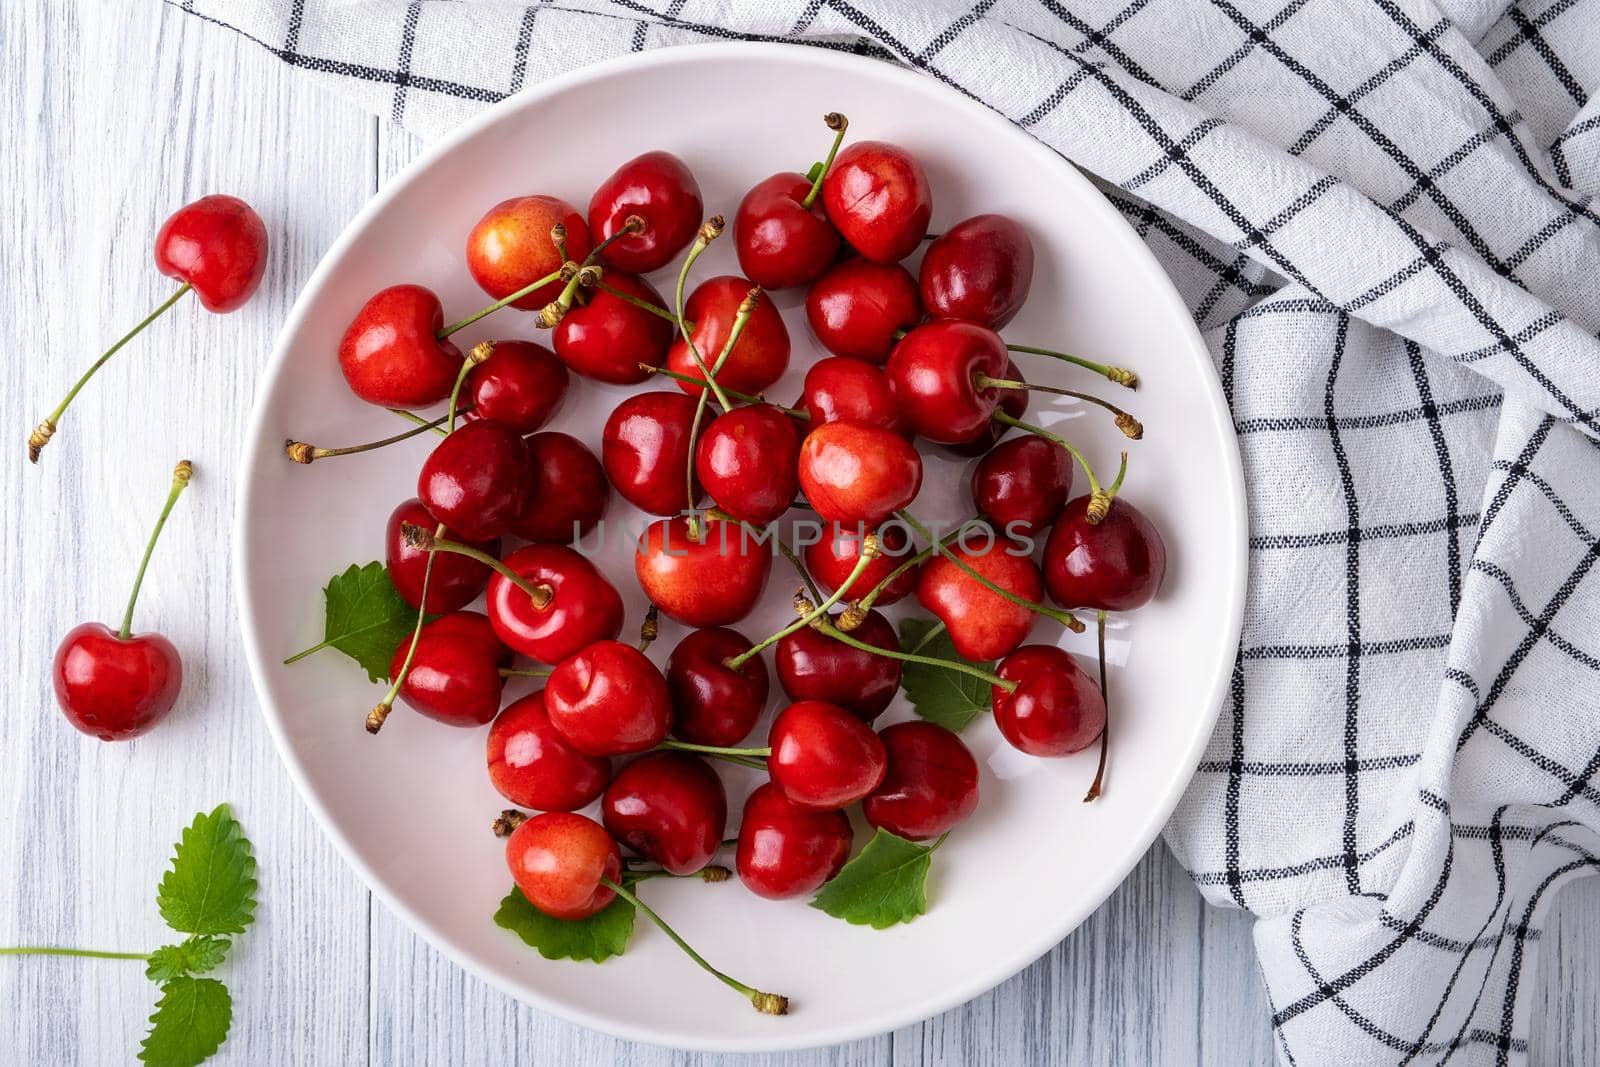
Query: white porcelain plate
pixel 411 808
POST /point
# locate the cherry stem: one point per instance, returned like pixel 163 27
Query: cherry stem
pixel 1099 501
pixel 520 672
pixel 437 425
pixel 717 750
pixel 1105 731
pixel 1122 470
pixel 498 304
pixel 869 552
pixel 650 628
pixel 837 123
pixel 480 352
pixel 1130 426
pixel 380 711
pixel 927 639
pixel 57 950
pixel 859 609
pixel 709 232
pixel 301 452
pixel 180 481
pixel 419 538
pixel 46 429
pixel 766 1003
pixel 643 305
pixel 747 307
pixel 1120 375
pixel 1065 618
pixel 908 657
pixel 709 874
pixel 745 398
pixel 794 561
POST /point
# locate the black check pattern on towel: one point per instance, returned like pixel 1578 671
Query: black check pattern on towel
pixel 1382 215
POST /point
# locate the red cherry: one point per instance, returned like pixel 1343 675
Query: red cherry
pixel 1013 402
pixel 854 473
pixel 476 480
pixel 714 704
pixel 839 389
pixel 814 666
pixel 858 308
pixel 746 460
pixel 823 757
pixel 609 700
pixel 520 386
pixel 786 850
pixel 568 492
pixel 115 687
pixel 580 609
pixel 934 373
pixel 758 359
pixel 669 807
pixel 218 244
pixel 1114 566
pixel 392 355
pixel 831 560
pixel 983 625
pixel 558 860
pixel 456 580
pixel 510 248
pixel 534 766
pixel 878 197
pixel 930 786
pixel 1056 709
pixel 979 270
pixel 781 241
pixel 607 338
pixel 713 581
pixel 455 675
pixel 645 450
pixel 658 188
pixel 1023 484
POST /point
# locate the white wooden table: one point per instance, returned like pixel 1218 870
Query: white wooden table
pixel 117 112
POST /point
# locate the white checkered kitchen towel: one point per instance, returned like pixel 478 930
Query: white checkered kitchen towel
pixel 1381 214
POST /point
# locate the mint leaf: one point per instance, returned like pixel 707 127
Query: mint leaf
pixel 366 618
pixel 950 698
pixel 194 955
pixel 885 885
pixel 599 937
pixel 211 886
pixel 190 1023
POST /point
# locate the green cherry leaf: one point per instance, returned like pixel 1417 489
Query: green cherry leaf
pixel 366 618
pixel 950 698
pixel 885 885
pixel 599 937
pixel 211 886
pixel 190 1023
pixel 194 955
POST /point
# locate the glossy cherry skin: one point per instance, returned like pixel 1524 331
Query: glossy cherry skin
pixel 218 244
pixel 1013 402
pixel 854 473
pixel 456 580
pixel 858 307
pixel 609 700
pixel 115 688
pixel 455 675
pixel 510 247
pixel 521 386
pixel 979 270
pixel 391 353
pixel 1056 709
pixel 476 480
pixel 781 243
pixel 534 766
pixel 746 460
pixel 983 625
pixel 715 581
pixel 878 198
pixel 840 389
pixel 669 807
pixel 1114 566
pixel 558 859
pixel 756 361
pixel 931 783
pixel 815 666
pixel 659 188
pixel 1022 484
pixel 568 491
pixel 786 850
pixel 607 338
pixel 645 450
pixel 933 372
pixel 712 703
pixel 831 560
pixel 823 757
pixel 583 607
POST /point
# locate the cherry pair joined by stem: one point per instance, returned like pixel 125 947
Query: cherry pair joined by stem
pixel 841 389
pixel 658 188
pixel 609 700
pixel 746 460
pixel 454 676
pixel 116 684
pixel 510 248
pixel 781 232
pixel 978 271
pixel 877 196
pixel 713 703
pixel 930 784
pixel 1055 710
pixel 706 573
pixel 669 807
pixel 813 665
pixel 860 308
pixel 856 473
pixel 533 765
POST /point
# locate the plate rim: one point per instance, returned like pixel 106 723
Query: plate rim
pixel 1231 489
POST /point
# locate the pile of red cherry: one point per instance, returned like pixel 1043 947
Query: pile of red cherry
pixel 500 503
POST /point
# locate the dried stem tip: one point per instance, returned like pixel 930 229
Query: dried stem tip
pixel 1123 376
pixel 633 224
pixel 1099 505
pixel 39 438
pixel 715 873
pixel 183 472
pixel 589 276
pixel 417 536
pixel 508 821
pixel 558 233
pixel 851 617
pixel 650 629
pixel 569 271
pixel 481 351
pixel 870 547
pixel 551 314
pixel 377 716
pixel 711 229
pixel 299 451
pixel 802 604
pixel 1129 425
pixel 836 122
pixel 747 306
pixel 770 1003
